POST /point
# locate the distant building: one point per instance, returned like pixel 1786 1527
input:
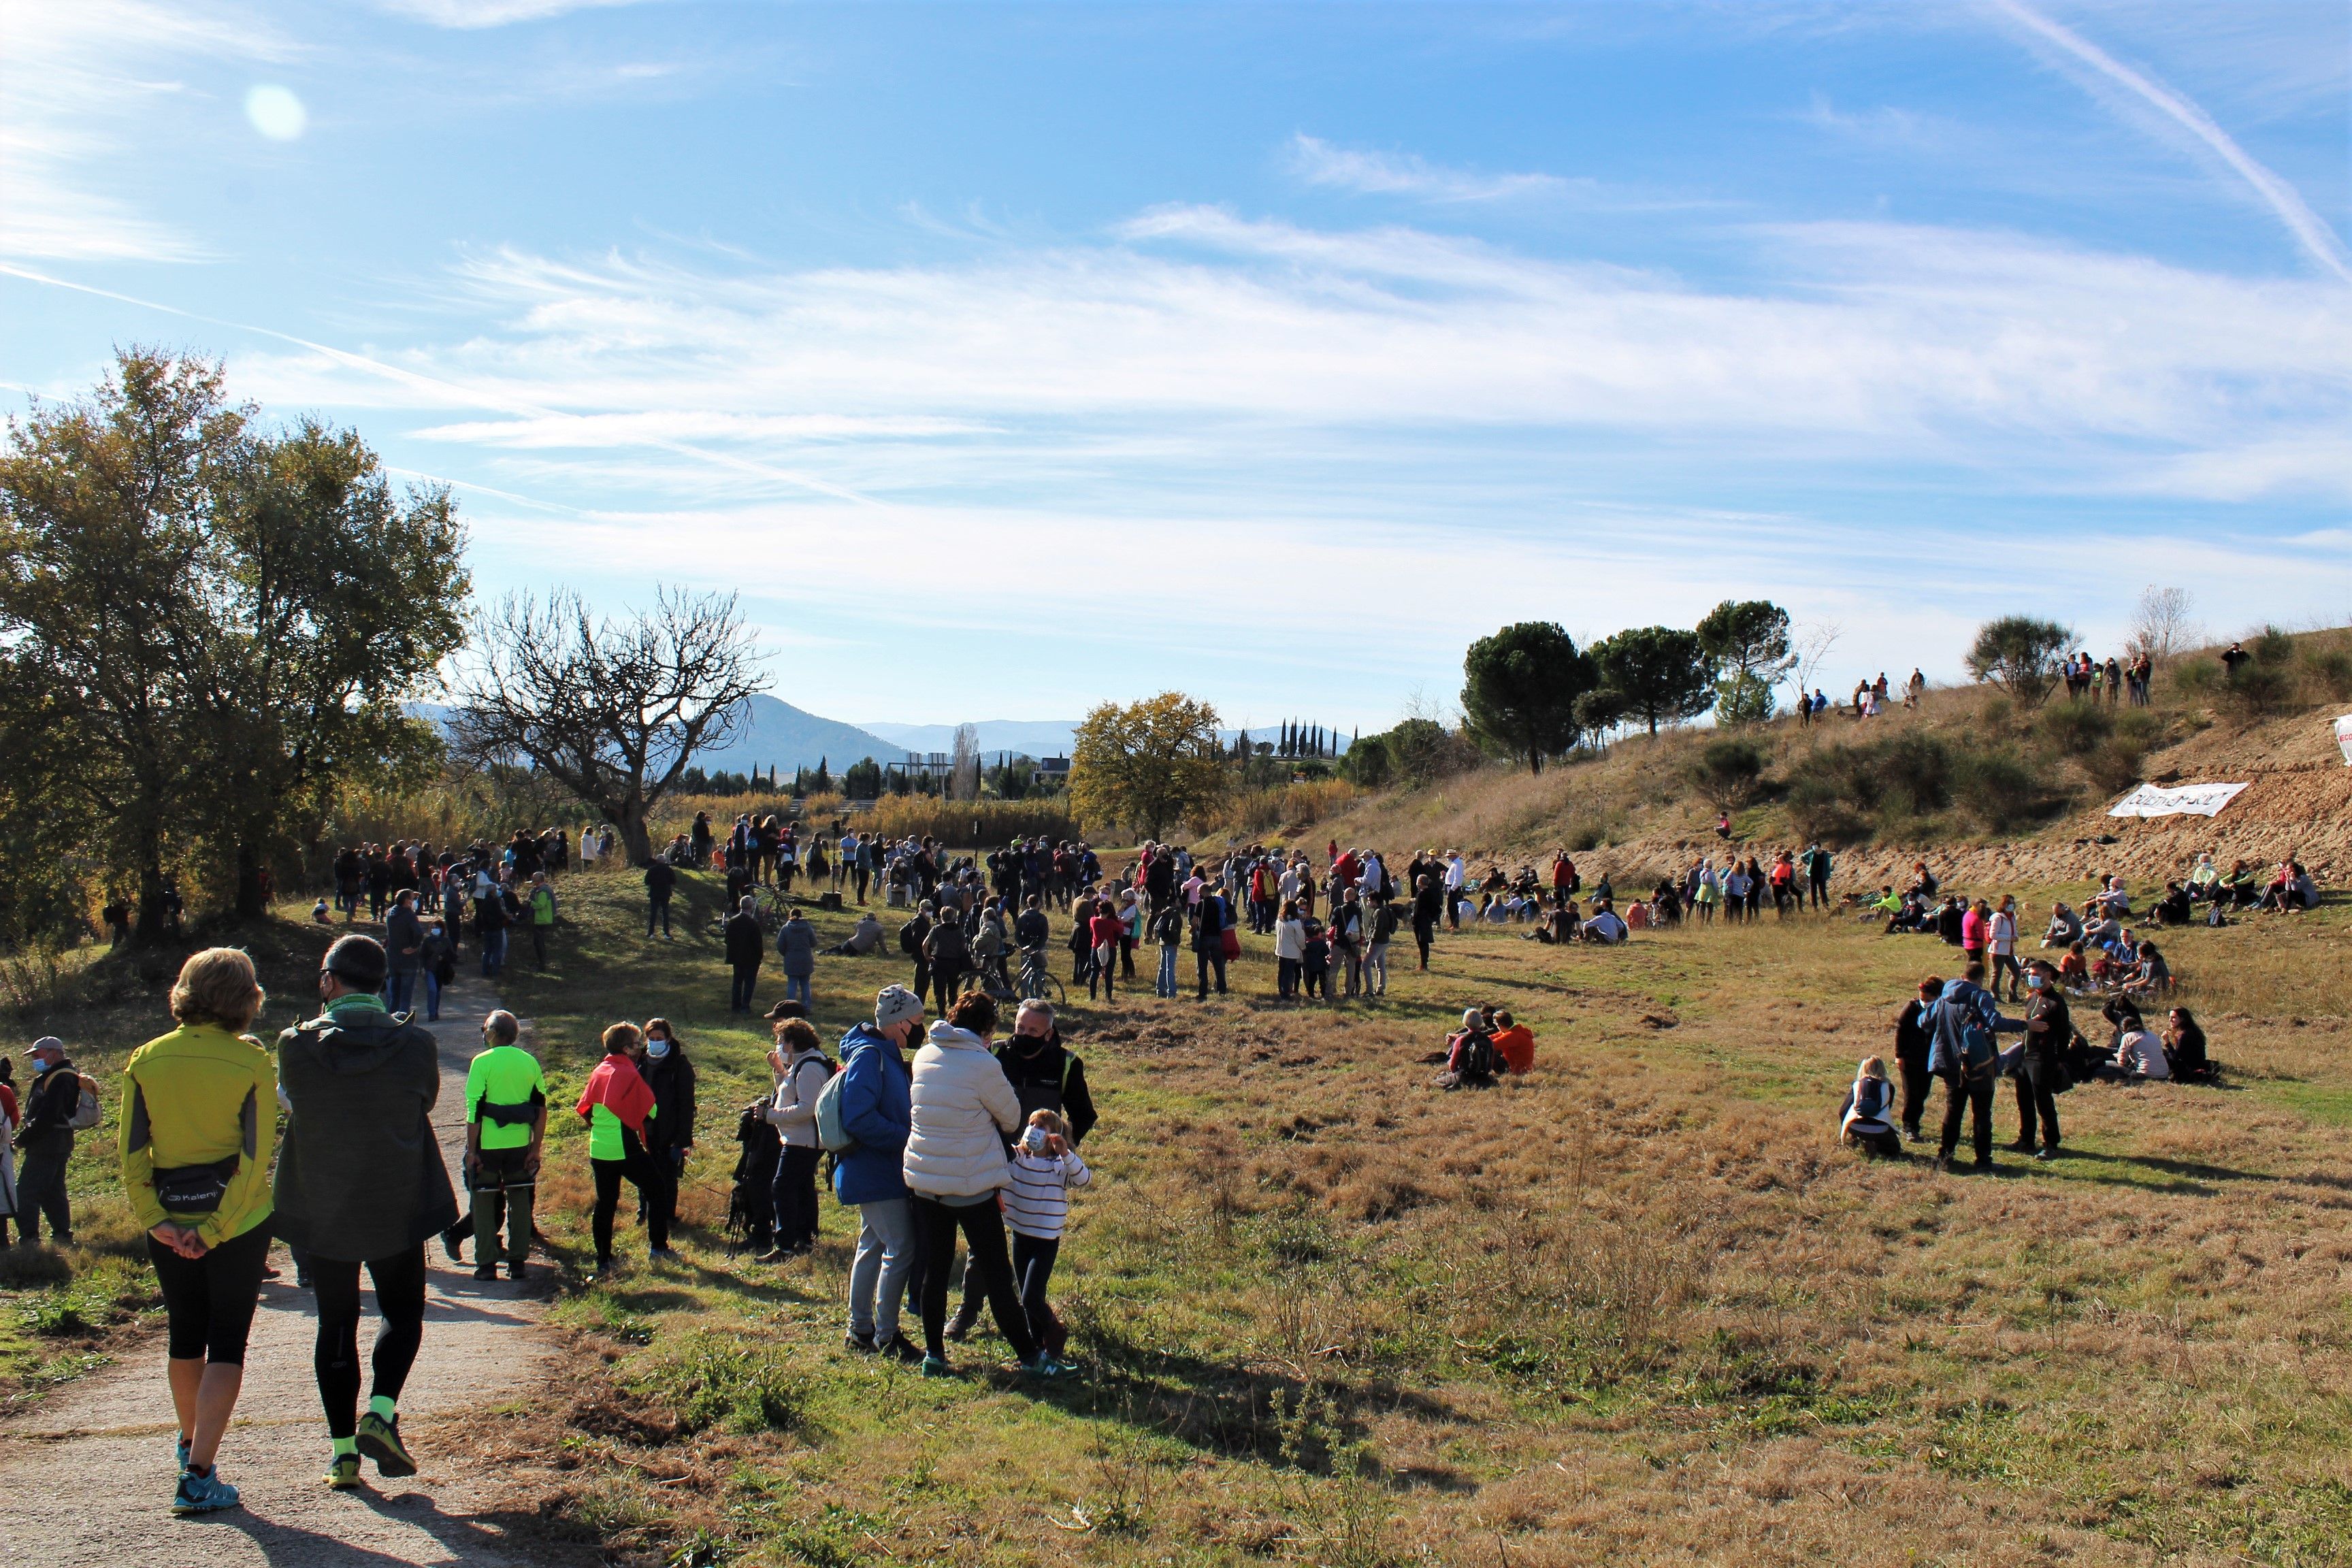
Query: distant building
pixel 1052 770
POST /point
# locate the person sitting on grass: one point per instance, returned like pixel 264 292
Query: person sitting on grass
pixel 2139 1054
pixel 2065 927
pixel 2184 1049
pixel 1471 1060
pixel 1886 906
pixel 863 941
pixel 1604 927
pixel 2204 878
pixel 2151 973
pixel 2074 970
pixel 2239 889
pixel 2292 890
pixel 2172 909
pixel 1515 1043
pixel 1865 1121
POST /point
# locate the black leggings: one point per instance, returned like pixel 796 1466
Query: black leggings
pixel 1032 1270
pixel 635 1165
pixel 936 1225
pixel 209 1299
pixel 399 1283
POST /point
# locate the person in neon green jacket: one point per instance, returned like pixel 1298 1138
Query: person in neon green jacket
pixel 199 1116
pixel 540 903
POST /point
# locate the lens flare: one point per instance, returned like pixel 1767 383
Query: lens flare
pixel 276 112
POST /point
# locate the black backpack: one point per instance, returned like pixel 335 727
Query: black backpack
pixel 911 939
pixel 750 1202
pixel 1479 1060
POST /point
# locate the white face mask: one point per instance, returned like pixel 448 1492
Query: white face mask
pixel 657 1048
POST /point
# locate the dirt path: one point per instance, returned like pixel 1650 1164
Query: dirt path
pixel 86 1479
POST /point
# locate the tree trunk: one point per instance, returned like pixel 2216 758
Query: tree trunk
pixel 151 914
pixel 250 905
pixel 636 839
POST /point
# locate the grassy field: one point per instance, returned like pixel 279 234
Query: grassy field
pixel 1635 1307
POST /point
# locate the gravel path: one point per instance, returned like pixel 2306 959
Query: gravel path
pixel 86 1479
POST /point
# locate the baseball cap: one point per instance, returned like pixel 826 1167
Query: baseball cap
pixel 51 1043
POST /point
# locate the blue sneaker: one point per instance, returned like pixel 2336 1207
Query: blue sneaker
pixel 180 1452
pixel 202 1494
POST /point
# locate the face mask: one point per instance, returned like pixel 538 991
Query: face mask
pixel 657 1048
pixel 2033 983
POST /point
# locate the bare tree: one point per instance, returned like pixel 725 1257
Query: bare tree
pixel 964 770
pixel 2160 626
pixel 611 710
pixel 1808 649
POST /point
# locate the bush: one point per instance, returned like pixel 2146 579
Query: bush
pixel 709 1379
pixel 1730 772
pixel 1998 790
pixel 1837 792
pixel 2328 674
pixel 1368 763
pixel 2074 729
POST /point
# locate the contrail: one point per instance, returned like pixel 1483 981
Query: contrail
pixel 449 389
pixel 2305 225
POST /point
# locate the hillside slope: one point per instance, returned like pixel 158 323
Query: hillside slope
pixel 1642 808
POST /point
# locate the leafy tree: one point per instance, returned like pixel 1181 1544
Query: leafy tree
pixel 614 709
pixel 1743 699
pixel 1369 763
pixel 1748 638
pixel 1519 690
pixel 226 621
pixel 2021 655
pixel 1148 764
pixel 1661 673
pixel 1600 710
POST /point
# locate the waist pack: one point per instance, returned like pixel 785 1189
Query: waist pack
pixel 521 1115
pixel 195 1189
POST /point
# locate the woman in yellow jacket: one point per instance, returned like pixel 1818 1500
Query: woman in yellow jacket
pixel 199 1116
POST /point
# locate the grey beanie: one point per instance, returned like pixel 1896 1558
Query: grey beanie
pixel 895 1005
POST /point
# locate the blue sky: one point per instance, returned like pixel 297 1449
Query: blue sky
pixel 1009 358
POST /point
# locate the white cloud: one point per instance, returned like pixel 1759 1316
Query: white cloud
pixel 1382 174
pixel 1881 344
pixel 478 14
pixel 74 75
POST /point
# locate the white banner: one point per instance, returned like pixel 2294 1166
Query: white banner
pixel 2344 737
pixel 2188 800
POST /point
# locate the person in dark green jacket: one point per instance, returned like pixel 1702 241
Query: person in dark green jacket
pixel 361 1181
pixel 199 1115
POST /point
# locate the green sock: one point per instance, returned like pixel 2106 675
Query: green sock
pixel 346 1445
pixel 380 1407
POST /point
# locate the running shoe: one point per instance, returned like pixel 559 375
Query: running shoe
pixel 896 1348
pixel 380 1441
pixel 180 1452
pixel 343 1473
pixel 861 1343
pixel 202 1494
pixel 937 1366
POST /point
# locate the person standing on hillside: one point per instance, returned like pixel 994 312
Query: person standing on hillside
pixel 616 1104
pixel 2049 1032
pixel 1914 1037
pixel 360 1183
pixel 744 944
pixel 661 882
pixel 796 945
pixel 669 1135
pixel 1964 1053
pixel 506 1131
pixel 877 1110
pixel 1427 896
pixel 1208 942
pixel 47 1142
pixel 404 950
pixel 199 1115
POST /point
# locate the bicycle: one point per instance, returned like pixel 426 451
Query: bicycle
pixel 1037 978
pixel 767 904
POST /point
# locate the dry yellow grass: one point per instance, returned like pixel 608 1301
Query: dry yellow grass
pixel 1635 1307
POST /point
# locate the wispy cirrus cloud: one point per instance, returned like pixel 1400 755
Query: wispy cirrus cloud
pixel 472 15
pixel 2309 229
pixel 1319 162
pixel 74 79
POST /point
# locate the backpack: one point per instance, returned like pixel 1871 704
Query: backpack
pixel 1478 1059
pixel 88 1106
pixel 751 1204
pixel 910 940
pixel 830 1135
pixel 1036 1097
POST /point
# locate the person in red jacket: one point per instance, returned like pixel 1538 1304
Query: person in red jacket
pixel 616 1103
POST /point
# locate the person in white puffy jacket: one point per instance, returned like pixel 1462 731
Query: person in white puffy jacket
pixel 963 1111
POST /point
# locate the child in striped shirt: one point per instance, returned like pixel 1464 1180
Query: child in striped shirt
pixel 1045 1167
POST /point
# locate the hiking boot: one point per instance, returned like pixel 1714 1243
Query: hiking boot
pixel 343 1473
pixel 487 1271
pixel 202 1494
pixel 517 1272
pixel 380 1441
pixel 896 1348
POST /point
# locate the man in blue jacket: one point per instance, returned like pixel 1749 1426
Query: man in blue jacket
pixel 877 1109
pixel 1963 1053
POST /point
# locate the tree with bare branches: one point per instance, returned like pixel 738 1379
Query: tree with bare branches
pixel 613 709
pixel 2161 627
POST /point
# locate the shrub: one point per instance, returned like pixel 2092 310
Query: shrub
pixel 2074 729
pixel 2328 674
pixel 1368 763
pixel 1730 772
pixel 1839 792
pixel 1997 789
pixel 2020 655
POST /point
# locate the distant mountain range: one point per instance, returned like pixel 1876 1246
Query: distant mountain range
pixel 781 736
